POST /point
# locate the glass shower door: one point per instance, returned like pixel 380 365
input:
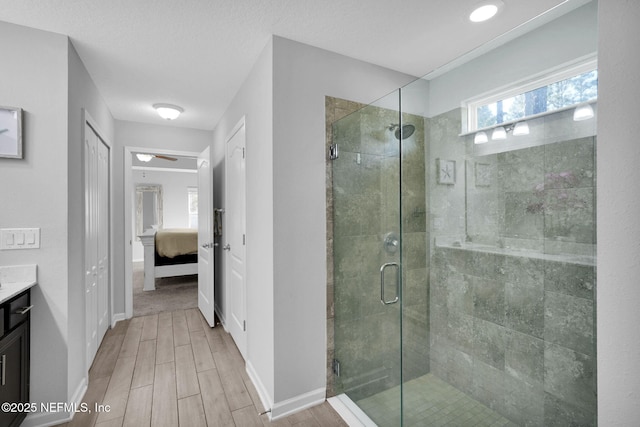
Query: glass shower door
pixel 367 260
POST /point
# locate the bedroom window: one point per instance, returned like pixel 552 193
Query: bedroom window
pixel 193 206
pixel 553 91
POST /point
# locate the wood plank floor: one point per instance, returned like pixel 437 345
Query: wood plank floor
pixel 171 369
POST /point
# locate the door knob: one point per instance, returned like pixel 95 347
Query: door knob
pixel 227 247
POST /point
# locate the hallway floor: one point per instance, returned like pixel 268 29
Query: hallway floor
pixel 171 369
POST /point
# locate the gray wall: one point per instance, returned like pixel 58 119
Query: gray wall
pixel 254 102
pixel 618 208
pixel 83 94
pixel 283 102
pixel 132 134
pixel 537 51
pixel 303 75
pixel 42 74
pixel 34 77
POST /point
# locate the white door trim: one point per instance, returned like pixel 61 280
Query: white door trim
pixel 128 216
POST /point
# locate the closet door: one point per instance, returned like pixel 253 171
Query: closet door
pixel 97 262
pixel 91 240
pixel 103 239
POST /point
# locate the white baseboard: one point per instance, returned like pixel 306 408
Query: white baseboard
pixel 80 391
pixel 298 403
pixel 263 394
pixel 116 317
pixel 46 419
pixel 286 407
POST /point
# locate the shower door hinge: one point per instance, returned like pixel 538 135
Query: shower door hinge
pixel 335 366
pixel 243 152
pixel 244 326
pixel 333 152
pixel 244 239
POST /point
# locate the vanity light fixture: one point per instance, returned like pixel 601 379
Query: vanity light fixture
pixel 485 10
pixel 583 112
pixel 480 138
pixel 499 133
pixel 521 128
pixel 168 111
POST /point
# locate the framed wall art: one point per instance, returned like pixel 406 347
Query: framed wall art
pixel 11 132
pixel 446 171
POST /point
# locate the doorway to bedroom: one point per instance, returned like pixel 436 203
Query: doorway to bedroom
pixel 164 225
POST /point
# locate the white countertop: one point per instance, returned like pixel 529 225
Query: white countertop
pixel 15 279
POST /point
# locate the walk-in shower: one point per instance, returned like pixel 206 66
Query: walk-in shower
pixel 463 273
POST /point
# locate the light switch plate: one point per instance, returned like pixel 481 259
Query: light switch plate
pixel 19 238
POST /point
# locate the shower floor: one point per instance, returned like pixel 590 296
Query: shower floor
pixel 429 401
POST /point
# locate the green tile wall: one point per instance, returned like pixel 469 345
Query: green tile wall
pixel 513 325
pixel 519 347
pixel 365 201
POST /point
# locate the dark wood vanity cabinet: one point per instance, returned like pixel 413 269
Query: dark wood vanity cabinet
pixel 14 359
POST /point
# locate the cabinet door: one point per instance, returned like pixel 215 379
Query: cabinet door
pixel 14 381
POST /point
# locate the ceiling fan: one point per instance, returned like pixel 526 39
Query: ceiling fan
pixel 147 157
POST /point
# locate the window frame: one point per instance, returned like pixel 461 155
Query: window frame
pixel 546 78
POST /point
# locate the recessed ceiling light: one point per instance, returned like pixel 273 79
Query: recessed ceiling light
pixel 485 11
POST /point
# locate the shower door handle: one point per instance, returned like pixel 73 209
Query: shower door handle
pixel 382 269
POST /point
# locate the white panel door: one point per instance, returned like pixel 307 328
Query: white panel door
pixel 235 237
pixel 205 238
pixel 91 242
pixel 97 262
pixel 103 240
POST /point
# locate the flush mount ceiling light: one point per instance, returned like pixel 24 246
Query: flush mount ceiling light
pixel 168 111
pixel 485 10
pixel 583 112
pixel 144 157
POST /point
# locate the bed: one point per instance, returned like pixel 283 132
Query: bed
pixel 169 252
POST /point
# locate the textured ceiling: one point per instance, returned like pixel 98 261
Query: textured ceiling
pixel 197 53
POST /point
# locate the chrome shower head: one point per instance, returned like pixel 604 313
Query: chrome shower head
pixel 406 132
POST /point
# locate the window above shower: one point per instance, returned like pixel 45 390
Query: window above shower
pixel 555 90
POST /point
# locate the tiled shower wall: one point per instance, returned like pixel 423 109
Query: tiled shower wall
pixel 335 109
pixel 508 316
pixel 362 200
pixel 516 333
pixel 512 300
